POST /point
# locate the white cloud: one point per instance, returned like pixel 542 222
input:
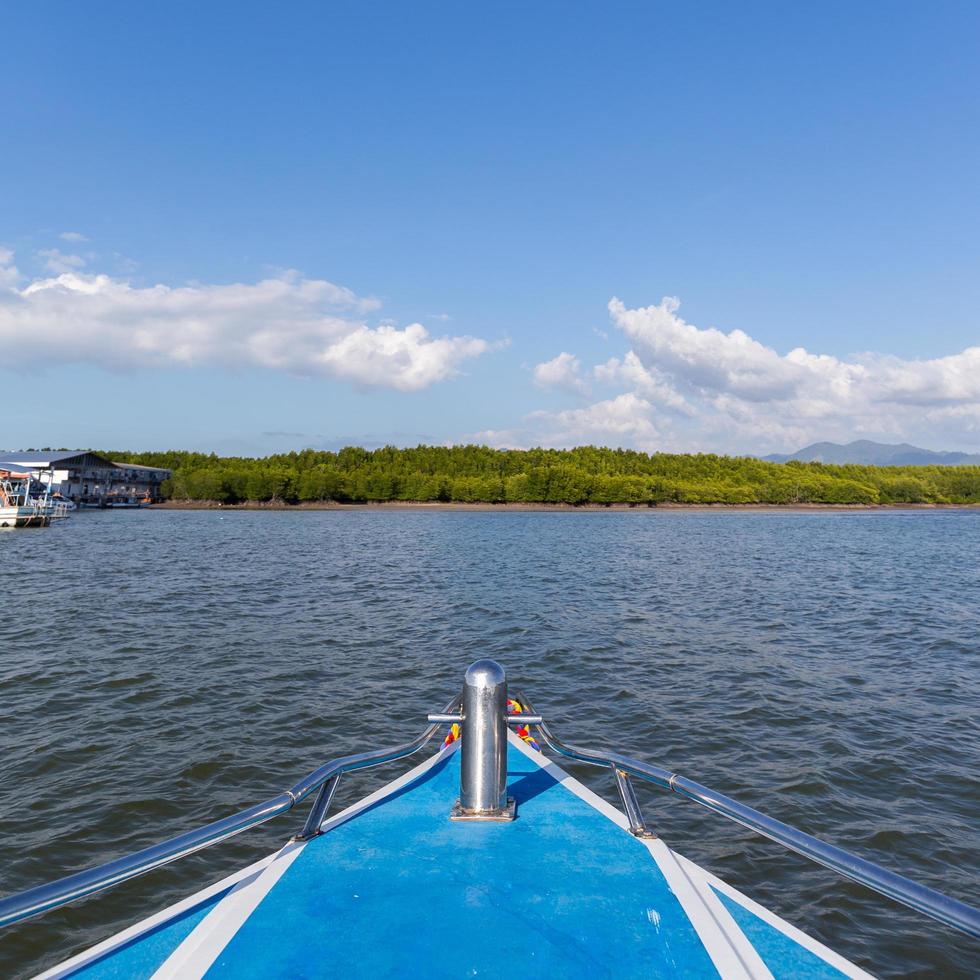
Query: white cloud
pixel 562 372
pixel 711 362
pixel 303 326
pixel 623 420
pixel 407 359
pixel 649 382
pixel 682 388
pixel 73 236
pixel 740 394
pixel 58 262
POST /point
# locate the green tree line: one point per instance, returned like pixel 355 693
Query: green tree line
pixel 585 475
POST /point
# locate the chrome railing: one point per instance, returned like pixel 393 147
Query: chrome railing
pixel 930 902
pixel 44 898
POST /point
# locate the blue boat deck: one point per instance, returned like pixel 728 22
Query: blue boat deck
pixel 394 888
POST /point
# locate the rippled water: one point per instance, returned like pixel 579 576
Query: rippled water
pixel 161 669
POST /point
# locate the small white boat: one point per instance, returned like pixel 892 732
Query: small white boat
pixel 67 504
pixel 118 500
pixel 21 507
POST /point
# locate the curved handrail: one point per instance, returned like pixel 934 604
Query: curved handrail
pixel 923 899
pixel 44 898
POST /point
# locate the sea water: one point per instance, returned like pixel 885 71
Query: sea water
pixel 163 669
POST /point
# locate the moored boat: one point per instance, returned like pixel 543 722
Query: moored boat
pixel 21 505
pixel 486 859
pixel 114 500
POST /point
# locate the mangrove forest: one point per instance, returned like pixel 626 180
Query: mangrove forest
pixel 585 475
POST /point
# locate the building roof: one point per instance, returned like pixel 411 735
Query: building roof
pixel 48 457
pixel 46 460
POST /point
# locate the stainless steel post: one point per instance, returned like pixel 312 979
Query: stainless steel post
pixel 483 761
pixel 631 804
pixel 318 812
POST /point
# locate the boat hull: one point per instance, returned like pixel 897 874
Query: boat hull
pixel 24 517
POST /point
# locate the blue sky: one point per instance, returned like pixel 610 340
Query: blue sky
pixel 275 194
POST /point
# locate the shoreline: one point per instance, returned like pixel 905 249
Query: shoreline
pixel 409 505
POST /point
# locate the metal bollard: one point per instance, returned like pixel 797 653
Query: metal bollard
pixel 483 760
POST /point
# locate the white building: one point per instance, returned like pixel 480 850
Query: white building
pixel 89 479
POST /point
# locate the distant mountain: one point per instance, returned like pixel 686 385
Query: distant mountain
pixel 868 453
